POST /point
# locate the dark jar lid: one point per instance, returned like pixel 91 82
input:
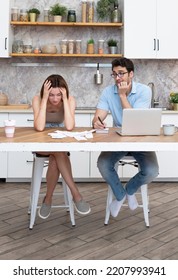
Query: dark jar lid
pixel 71 16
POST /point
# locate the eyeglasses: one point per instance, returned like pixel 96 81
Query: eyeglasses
pixel 119 75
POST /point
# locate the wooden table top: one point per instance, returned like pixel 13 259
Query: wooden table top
pixel 27 139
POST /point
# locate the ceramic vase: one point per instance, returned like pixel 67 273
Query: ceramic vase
pixel 113 50
pixel 33 17
pixel 90 48
pixel 175 106
pixel 57 18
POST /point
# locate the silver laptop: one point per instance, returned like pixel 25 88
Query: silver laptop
pixel 140 122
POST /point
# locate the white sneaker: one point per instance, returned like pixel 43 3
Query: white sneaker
pixel 132 201
pixel 115 206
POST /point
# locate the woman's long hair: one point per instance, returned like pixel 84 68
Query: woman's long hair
pixel 56 81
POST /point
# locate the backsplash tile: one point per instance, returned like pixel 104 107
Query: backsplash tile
pixel 23 81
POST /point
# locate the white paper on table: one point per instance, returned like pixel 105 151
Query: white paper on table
pixel 83 135
pixel 79 138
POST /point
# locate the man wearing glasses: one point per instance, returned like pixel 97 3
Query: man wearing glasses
pixel 125 93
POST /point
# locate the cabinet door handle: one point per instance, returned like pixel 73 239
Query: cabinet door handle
pixel 29 161
pixel 5 45
pixel 158 44
pixel 28 120
pixel 154 44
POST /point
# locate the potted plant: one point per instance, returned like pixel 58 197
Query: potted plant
pixel 104 9
pixel 33 14
pixel 58 11
pixel 173 99
pixel 90 46
pixel 112 45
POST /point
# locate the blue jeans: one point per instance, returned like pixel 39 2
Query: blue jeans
pixel 148 171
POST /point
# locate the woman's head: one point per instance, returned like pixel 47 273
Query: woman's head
pixel 57 81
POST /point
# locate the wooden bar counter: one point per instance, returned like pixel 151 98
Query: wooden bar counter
pixel 27 139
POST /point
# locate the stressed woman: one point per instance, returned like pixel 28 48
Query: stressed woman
pixel 55 108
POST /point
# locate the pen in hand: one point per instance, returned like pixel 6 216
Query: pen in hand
pixel 101 121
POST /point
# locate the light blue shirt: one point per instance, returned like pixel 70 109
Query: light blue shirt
pixel 139 97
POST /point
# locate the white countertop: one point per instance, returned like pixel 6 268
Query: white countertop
pixel 77 111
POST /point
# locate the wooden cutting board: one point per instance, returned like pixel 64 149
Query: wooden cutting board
pixel 15 106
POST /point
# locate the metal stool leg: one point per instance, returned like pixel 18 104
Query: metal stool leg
pixel 144 194
pixel 143 190
pixel 35 187
pixel 108 202
pixel 37 171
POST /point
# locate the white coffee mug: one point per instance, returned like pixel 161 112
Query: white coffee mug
pixel 9 126
pixel 169 129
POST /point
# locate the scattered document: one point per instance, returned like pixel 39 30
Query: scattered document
pixel 83 135
pixel 104 130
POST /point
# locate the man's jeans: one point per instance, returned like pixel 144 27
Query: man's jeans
pixel 148 171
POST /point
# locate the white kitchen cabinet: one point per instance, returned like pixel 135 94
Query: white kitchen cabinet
pixel 19 165
pixel 168 166
pixel 170 118
pixel 3 164
pixel 150 28
pixel 22 169
pixel 82 120
pixel 5 29
pixel 22 119
pixel 3 116
pixel 3 155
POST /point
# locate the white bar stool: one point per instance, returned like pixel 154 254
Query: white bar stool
pixel 143 191
pixel 38 163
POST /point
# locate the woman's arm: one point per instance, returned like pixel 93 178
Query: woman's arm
pixel 69 110
pixel 39 108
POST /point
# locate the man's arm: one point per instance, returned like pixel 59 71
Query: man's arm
pixel 102 114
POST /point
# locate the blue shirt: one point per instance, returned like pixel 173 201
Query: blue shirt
pixel 139 97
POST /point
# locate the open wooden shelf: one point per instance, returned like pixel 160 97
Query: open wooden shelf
pixel 70 24
pixel 64 55
pixel 66 24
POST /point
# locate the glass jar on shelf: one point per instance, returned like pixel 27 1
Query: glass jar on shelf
pixel 37 50
pixel 78 46
pixel 27 48
pixel 64 46
pixel 46 14
pixel 15 14
pixel 100 46
pixel 90 11
pixel 70 46
pixel 84 11
pixel 17 46
pixel 23 15
pixel 116 15
pixel 71 17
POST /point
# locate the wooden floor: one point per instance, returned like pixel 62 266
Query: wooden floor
pixel 126 237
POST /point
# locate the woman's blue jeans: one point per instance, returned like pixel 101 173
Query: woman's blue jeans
pixel 148 170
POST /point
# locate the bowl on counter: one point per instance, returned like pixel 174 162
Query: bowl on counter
pixel 50 49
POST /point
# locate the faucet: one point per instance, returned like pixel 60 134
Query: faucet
pixel 154 103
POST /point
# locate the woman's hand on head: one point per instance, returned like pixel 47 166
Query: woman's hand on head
pixel 46 90
pixel 63 92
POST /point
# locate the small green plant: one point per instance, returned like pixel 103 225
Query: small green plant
pixel 90 41
pixel 34 10
pixel 58 10
pixel 112 43
pixel 104 8
pixel 173 97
